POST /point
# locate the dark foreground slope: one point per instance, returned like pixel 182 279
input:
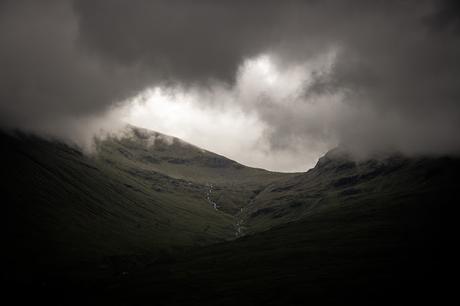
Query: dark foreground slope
pixel 378 231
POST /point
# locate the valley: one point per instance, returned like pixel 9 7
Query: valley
pixel 148 215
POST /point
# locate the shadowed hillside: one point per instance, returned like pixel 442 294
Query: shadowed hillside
pixel 63 206
pixel 378 232
pixel 149 218
pixel 339 183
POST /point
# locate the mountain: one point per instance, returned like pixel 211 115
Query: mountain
pixel 139 192
pixel 146 216
pixel 339 183
pixel 141 153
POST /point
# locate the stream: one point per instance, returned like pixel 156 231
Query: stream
pixel 239 216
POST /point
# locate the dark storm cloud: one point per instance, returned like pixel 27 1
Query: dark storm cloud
pixel 401 66
pixel 44 75
pixel 396 62
pixel 185 40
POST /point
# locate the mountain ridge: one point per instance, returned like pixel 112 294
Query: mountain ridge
pixel 162 204
pixel 132 216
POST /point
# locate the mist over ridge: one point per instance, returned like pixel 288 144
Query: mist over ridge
pixel 304 76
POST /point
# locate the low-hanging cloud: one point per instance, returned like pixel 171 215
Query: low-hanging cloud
pixel 369 75
pixel 244 122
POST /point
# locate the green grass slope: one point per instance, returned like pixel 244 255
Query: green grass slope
pixel 140 152
pixel 392 244
pixel 339 183
pixel 139 193
pixel 380 231
pixel 178 159
pixel 56 198
pixel 392 241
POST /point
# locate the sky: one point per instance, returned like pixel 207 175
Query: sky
pixel 271 84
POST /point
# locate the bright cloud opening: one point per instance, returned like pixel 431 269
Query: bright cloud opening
pixel 235 122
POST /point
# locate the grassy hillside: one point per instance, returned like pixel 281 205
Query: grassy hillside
pixel 140 193
pixel 390 241
pixel 149 150
pixel 339 183
pixel 149 219
pixel 379 253
pixel 140 152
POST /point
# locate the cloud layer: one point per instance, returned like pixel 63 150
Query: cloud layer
pixel 369 75
pixel 246 121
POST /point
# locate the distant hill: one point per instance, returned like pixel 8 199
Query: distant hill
pixel 178 159
pixel 143 153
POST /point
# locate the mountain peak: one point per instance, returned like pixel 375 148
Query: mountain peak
pixel 171 156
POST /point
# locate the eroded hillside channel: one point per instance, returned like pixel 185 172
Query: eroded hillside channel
pixel 238 216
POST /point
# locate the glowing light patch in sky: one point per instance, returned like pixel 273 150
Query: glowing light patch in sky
pixel 229 121
pixel 264 66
